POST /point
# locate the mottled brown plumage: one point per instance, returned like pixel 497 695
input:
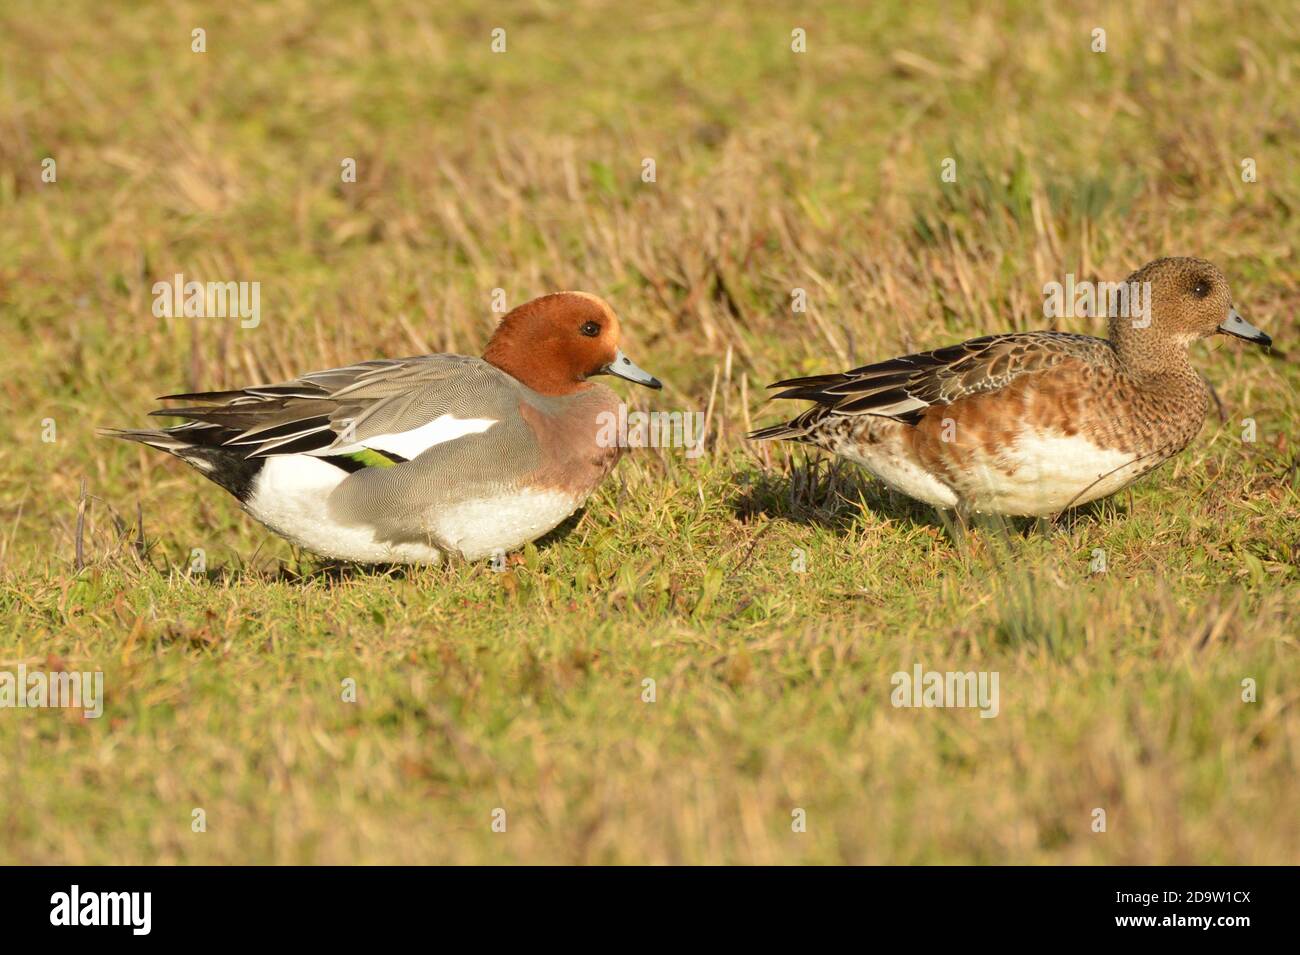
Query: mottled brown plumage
pixel 1029 423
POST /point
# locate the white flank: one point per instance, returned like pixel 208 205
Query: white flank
pixel 291 495
pixel 1037 476
pixel 409 444
pixel 481 528
pixel 1042 474
pixel 900 473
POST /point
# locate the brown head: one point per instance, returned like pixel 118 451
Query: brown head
pixel 553 344
pixel 1170 303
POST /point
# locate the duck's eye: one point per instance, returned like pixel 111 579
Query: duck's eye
pixel 1201 288
pixel 591 329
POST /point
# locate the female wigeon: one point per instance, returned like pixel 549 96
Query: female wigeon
pixel 407 460
pixel 1030 423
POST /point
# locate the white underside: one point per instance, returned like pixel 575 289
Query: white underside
pixel 901 474
pixel 482 528
pixel 1037 476
pixel 291 497
pixel 1048 475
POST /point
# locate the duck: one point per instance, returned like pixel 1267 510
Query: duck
pixel 422 459
pixel 1030 424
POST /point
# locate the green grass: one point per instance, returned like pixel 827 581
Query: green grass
pixel 523 690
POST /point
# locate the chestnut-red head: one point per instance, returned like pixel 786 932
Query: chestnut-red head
pixel 553 344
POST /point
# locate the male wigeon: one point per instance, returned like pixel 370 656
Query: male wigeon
pixel 1030 423
pixel 408 460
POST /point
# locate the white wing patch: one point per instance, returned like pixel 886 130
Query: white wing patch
pixel 409 444
pixel 902 406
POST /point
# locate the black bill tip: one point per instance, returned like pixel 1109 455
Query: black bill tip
pixel 1238 327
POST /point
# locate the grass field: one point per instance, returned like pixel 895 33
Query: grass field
pixel 524 691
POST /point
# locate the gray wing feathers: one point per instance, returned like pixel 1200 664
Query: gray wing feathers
pixel 324 411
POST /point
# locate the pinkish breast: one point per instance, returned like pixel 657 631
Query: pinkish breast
pixel 573 436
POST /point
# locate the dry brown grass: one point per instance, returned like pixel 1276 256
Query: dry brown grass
pixel 522 172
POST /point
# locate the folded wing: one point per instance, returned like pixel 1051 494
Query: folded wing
pixel 395 408
pixel 905 388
